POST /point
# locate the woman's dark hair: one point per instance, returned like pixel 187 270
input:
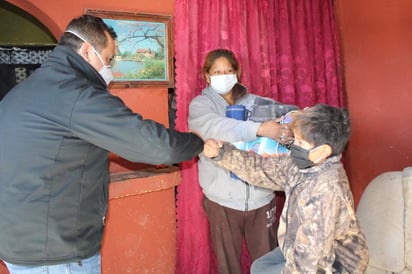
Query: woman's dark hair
pixel 238 90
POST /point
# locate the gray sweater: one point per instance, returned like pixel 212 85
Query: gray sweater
pixel 208 119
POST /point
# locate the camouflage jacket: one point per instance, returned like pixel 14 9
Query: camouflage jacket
pixel 318 229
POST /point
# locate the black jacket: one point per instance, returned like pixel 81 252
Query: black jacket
pixel 56 131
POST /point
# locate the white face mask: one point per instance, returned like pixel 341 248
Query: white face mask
pixel 105 71
pixel 224 83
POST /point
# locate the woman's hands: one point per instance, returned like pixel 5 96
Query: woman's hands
pixel 271 129
pixel 276 131
pixel 286 135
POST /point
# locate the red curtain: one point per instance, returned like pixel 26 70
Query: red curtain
pixel 288 50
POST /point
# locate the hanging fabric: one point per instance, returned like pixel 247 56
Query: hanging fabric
pixel 288 51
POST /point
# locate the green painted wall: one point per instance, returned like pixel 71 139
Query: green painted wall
pixel 20 28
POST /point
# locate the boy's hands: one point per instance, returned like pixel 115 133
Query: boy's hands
pixel 212 147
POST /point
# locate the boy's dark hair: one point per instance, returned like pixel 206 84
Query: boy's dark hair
pixel 324 124
pixel 91 28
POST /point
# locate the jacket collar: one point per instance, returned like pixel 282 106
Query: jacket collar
pixel 71 60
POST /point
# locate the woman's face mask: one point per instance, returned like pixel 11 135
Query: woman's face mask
pixel 223 83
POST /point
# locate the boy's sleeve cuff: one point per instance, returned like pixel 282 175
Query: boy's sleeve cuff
pixel 220 155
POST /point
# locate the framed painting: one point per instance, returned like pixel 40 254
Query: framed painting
pixel 144 48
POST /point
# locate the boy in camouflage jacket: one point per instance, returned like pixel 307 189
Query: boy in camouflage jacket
pixel 318 230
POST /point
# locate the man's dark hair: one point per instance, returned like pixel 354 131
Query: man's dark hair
pixel 324 124
pixel 90 28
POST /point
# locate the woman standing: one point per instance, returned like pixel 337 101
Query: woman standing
pixel 234 213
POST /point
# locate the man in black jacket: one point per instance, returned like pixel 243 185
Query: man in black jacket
pixel 57 129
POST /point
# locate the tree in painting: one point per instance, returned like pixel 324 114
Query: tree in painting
pixel 141 50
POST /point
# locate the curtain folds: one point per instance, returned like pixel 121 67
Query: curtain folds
pixel 288 50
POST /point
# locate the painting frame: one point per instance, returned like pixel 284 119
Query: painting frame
pixel 144 56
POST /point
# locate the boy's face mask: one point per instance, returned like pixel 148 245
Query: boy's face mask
pixel 301 156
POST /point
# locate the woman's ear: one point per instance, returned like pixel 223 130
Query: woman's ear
pixel 238 74
pixel 207 78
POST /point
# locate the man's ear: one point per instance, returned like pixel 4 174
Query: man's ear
pixel 84 51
